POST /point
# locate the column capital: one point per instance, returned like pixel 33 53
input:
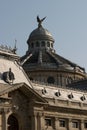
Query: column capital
pixel 56 118
pixel 70 119
pixel 82 121
pixel 4 110
pixel 40 114
pixel 34 114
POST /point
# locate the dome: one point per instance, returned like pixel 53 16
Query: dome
pixel 40 33
pixel 43 64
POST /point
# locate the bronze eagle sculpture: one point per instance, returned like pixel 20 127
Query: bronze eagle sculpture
pixel 40 21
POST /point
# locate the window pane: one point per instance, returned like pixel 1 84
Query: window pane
pixel 85 125
pixel 48 122
pixel 50 80
pixel 43 43
pixel 37 44
pixel 62 123
pixel 75 124
pixel 48 44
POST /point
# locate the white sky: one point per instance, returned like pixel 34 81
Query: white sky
pixel 66 20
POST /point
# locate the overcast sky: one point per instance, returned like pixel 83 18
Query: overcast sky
pixel 66 20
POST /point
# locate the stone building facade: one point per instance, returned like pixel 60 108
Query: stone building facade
pixel 43 97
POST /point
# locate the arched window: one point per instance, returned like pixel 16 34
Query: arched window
pixel 69 80
pixel 43 43
pixel 48 44
pixel 13 123
pixel 37 44
pixel 51 80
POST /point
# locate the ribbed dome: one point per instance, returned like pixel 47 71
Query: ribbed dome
pixel 45 59
pixel 40 34
pixel 42 64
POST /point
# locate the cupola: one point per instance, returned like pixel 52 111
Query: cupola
pixel 40 38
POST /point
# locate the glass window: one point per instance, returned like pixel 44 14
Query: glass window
pixel 37 44
pixel 75 124
pixel 48 122
pixel 48 44
pixel 43 43
pixel 85 125
pixel 51 80
pixel 62 123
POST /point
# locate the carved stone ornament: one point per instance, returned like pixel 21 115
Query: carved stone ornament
pixel 58 94
pixel 44 91
pixel 83 97
pixel 8 76
pixel 70 96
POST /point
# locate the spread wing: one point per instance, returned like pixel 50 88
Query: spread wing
pixel 38 19
pixel 43 19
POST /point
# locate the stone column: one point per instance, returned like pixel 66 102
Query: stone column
pixel 4 121
pixel 42 121
pixel 61 79
pixel 57 81
pixel 56 123
pixel 34 122
pixel 81 125
pixel 69 123
pixel 0 121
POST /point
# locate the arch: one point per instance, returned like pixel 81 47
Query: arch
pixel 13 123
pixel 37 44
pixel 43 43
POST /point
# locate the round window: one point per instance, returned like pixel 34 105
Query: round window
pixel 50 80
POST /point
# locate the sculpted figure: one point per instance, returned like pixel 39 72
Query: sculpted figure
pixel 40 21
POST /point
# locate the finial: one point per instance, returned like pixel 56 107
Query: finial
pixel 15 48
pixel 40 21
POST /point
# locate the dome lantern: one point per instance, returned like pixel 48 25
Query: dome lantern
pixel 40 38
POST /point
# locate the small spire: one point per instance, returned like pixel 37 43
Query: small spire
pixel 15 48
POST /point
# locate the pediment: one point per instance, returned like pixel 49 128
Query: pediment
pixel 29 92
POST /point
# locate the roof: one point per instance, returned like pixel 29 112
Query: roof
pixel 7 63
pixel 81 84
pixel 46 59
pixel 40 33
pixel 60 93
pixel 4 89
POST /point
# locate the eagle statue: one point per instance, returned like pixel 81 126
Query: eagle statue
pixel 40 21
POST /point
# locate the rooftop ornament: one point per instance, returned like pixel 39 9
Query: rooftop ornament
pixel 5 48
pixel 40 21
pixel 8 76
pixel 44 91
pixel 83 97
pixel 58 93
pixel 70 96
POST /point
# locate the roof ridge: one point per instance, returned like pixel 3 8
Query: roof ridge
pixel 57 61
pixel 24 74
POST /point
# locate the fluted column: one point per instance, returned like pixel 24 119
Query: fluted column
pixel 56 123
pixel 34 122
pixel 42 121
pixel 81 125
pixel 0 121
pixel 4 121
pixel 69 124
